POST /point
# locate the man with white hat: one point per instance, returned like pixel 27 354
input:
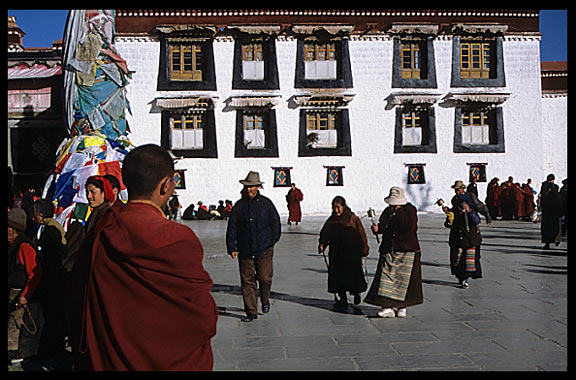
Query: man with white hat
pixel 253 229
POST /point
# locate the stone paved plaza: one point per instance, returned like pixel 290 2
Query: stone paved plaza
pixel 513 319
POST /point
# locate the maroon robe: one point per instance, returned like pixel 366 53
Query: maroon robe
pixel 507 201
pixel 528 199
pixel 492 197
pixel 149 305
pixel 294 197
pixel 519 211
pixel 498 200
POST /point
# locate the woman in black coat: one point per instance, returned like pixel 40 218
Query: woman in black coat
pixel 344 234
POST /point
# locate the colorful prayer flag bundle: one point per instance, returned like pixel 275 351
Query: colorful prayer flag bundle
pixel 95 79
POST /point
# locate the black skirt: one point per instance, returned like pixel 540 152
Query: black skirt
pixel 458 268
pixel 345 273
pixel 414 295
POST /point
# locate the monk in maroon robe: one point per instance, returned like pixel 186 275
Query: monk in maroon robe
pixel 492 197
pixel 148 303
pixel 498 201
pixel 528 199
pixel 519 211
pixel 507 201
pixel 293 198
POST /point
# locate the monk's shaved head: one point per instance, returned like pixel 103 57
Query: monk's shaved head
pixel 143 169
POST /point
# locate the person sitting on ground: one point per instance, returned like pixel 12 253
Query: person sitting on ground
pixel 202 213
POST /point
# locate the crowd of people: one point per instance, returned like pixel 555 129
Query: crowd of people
pixel 201 212
pixel 120 272
pixel 510 200
pixel 126 289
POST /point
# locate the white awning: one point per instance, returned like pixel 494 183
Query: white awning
pixel 323 99
pixel 480 28
pixel 414 28
pixel 257 29
pixel 253 101
pixel 493 98
pixel 330 28
pixel 414 98
pixel 183 102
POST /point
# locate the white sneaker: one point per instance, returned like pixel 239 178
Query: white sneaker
pixel 386 313
pixel 401 313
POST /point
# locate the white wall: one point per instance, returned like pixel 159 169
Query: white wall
pixel 373 167
pixel 555 136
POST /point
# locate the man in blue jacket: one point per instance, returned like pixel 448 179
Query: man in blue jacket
pixel 253 229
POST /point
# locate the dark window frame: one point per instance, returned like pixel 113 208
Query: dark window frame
pixel 180 179
pixel 499 79
pixel 270 130
pixel 430 65
pixel 482 174
pixel 496 132
pixel 210 148
pixel 344 143
pixel 343 70
pixel 340 175
pixel 208 81
pixel 286 171
pixel 428 146
pixel 270 81
pixel 421 180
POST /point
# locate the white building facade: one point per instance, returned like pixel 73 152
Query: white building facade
pixel 343 103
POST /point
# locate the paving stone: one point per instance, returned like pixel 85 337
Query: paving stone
pixel 513 319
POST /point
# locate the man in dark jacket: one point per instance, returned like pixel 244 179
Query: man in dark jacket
pixel 465 237
pixel 253 229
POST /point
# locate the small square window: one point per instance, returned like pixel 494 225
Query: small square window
pixel 320 61
pixel 416 174
pixel 256 133
pixel 321 129
pixel 477 171
pixel 179 179
pixel 189 134
pixel 412 55
pixel 334 176
pixel 186 62
pixel 187 131
pixel 475 127
pixel 475 59
pixel 282 177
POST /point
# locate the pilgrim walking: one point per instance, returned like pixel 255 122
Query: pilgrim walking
pixel 551 205
pixel 293 199
pixel 344 234
pixel 253 230
pixel 465 236
pixel 398 279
